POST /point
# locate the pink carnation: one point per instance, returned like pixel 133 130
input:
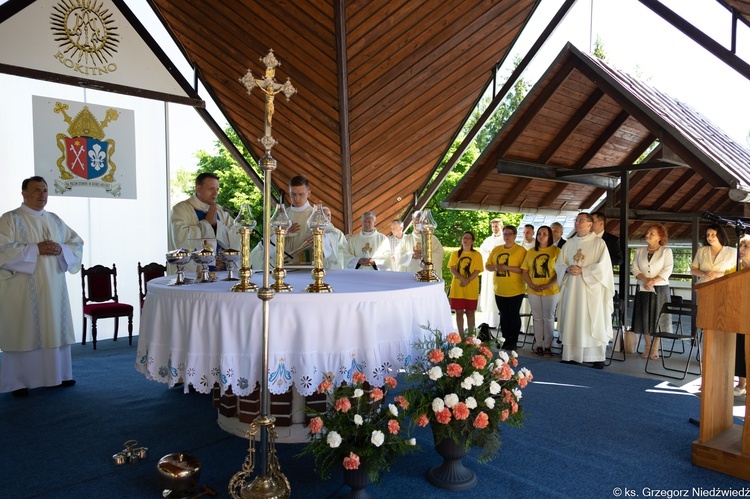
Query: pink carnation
pixel 358 377
pixel 393 426
pixel 325 387
pixel 514 362
pixel 469 340
pixel 343 404
pixel 513 407
pixel 376 394
pixel 436 355
pixel 315 425
pixel 504 373
pixel 454 370
pixel 479 361
pixel 422 420
pixel 401 401
pixel 390 381
pixel 507 396
pixel 522 382
pixel 486 351
pixel 454 338
pixel 481 421
pixel 504 415
pixel 444 416
pixel 460 411
pixel 351 462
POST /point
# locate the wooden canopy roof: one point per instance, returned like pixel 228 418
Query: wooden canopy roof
pixel 384 87
pixel 583 126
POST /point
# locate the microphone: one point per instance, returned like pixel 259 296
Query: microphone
pixel 710 217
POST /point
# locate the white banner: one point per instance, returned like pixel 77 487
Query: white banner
pixel 84 150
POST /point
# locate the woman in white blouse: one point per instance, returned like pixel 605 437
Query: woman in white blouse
pixel 652 267
pixel 715 257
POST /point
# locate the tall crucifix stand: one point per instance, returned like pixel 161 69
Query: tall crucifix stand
pixel 269 482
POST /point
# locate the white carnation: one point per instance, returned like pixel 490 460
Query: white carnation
pixel 494 388
pixel 438 405
pixel 471 403
pixel 467 383
pixel 412 441
pixel 435 373
pixel 358 392
pixel 502 357
pixel 476 341
pixel 377 438
pixel 450 400
pixel 358 420
pixel 333 439
pixel 455 353
pixel 517 393
pixel 393 409
pixel 477 378
pixel 489 402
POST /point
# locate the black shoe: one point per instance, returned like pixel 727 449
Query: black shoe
pixel 21 392
pixel 598 365
pixel 569 362
pixel 68 382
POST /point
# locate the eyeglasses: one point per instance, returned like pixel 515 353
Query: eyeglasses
pixel 581 220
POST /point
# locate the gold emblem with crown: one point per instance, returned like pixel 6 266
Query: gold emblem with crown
pixel 86 125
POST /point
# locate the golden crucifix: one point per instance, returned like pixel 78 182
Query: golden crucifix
pixel 270 87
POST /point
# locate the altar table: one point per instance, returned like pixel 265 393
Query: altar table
pixel 205 335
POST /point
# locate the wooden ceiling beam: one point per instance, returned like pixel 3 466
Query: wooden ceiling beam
pixel 344 135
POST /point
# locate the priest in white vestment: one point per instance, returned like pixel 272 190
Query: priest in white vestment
pixel 298 241
pixel 412 250
pixel 199 219
pixel 36 250
pixel 587 288
pixel 395 239
pixel 334 245
pixel 487 305
pixel 369 249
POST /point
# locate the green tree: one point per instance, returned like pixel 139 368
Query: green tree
pixel 236 186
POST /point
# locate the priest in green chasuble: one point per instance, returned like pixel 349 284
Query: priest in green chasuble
pixel 587 289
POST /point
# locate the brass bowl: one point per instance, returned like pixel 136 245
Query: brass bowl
pixel 178 475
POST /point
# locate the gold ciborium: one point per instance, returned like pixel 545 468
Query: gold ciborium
pixel 179 257
pixel 230 257
pixel 280 222
pixel 317 224
pixel 428 225
pixel 246 224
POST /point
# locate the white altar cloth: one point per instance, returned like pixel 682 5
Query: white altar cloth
pixel 202 334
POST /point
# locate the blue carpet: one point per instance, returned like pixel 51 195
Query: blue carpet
pixel 586 433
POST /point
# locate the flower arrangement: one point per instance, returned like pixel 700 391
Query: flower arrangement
pixel 358 428
pixel 465 393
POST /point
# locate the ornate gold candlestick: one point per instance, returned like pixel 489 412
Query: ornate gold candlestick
pixel 317 224
pixel 247 223
pixel 427 274
pixel 270 481
pixel 280 223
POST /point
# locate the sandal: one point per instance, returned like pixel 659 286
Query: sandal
pixel 547 352
pixel 539 351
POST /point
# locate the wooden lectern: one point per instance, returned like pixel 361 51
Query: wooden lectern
pixel 722 313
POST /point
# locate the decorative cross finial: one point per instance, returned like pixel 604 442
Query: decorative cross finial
pixel 270 87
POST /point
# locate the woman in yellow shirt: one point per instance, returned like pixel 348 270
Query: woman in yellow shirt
pixel 465 266
pixel 541 280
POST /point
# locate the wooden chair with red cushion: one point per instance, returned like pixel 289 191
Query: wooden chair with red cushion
pixel 145 274
pixel 102 301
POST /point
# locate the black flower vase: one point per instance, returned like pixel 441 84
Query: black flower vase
pixel 452 474
pixel 358 480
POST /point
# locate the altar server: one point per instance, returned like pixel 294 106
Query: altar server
pixel 487 305
pixel 36 250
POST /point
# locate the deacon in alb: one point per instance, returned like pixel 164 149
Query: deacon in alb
pixel 36 250
pixel 587 288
